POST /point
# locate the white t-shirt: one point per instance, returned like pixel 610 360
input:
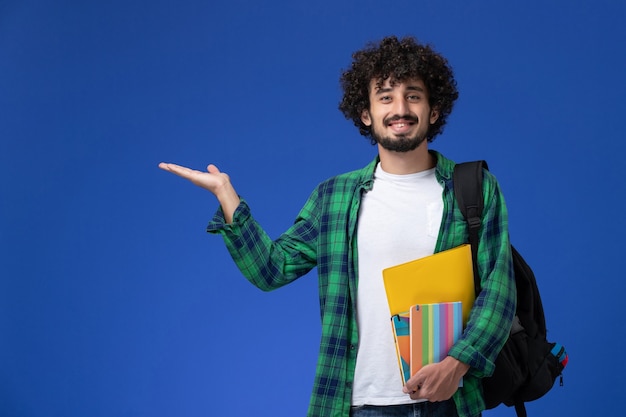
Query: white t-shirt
pixel 399 221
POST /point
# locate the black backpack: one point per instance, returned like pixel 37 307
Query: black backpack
pixel 528 364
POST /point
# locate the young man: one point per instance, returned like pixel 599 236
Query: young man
pixel 398 208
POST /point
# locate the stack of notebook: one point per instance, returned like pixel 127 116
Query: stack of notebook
pixel 425 334
pixel 429 300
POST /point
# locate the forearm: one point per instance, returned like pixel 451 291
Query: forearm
pixel 265 263
pixel 488 327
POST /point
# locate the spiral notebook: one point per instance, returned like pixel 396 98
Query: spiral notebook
pixel 433 329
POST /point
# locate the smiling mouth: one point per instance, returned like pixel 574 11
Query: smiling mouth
pixel 400 127
pixel 400 122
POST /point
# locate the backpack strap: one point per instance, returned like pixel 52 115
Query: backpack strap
pixel 468 191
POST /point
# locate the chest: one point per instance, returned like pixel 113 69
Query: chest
pixel 399 220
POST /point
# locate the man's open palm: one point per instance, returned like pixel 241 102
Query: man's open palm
pixel 211 180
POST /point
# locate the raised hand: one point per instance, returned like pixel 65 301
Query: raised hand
pixel 212 180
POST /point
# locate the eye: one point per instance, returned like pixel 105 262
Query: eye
pixel 413 98
pixel 385 99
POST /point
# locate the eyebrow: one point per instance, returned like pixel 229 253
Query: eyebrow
pixel 382 90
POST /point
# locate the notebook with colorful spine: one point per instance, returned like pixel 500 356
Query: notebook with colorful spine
pixel 446 276
pixel 434 329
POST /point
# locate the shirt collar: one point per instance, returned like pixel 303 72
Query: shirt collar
pixel 443 171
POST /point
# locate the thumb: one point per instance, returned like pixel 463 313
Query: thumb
pixel 212 169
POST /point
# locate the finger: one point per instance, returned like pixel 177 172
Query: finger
pixel 418 397
pixel 418 394
pixel 414 383
pixel 212 169
pixel 179 170
pixel 170 167
pixel 411 388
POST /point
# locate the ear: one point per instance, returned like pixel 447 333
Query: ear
pixel 434 115
pixel 365 118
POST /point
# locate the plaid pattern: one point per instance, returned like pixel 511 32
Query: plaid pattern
pixel 324 236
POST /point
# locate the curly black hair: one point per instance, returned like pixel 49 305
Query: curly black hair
pixel 401 60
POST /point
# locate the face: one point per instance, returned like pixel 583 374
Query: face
pixel 399 115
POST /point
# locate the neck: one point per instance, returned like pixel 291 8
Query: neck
pixel 402 163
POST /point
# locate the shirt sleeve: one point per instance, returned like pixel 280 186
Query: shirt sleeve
pixel 490 320
pixel 266 263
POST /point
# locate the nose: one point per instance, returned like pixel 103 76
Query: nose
pixel 400 107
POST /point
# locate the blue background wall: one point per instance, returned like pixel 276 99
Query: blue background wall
pixel 115 302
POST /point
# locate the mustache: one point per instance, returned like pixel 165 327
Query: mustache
pixel 407 117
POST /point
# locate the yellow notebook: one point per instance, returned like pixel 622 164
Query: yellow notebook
pixel 447 276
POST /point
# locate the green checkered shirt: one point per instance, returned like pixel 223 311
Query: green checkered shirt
pixel 324 236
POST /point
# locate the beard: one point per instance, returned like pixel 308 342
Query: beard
pixel 399 143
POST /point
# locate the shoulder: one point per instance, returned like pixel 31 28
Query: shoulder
pixel 491 185
pixel 348 181
pixel 336 194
